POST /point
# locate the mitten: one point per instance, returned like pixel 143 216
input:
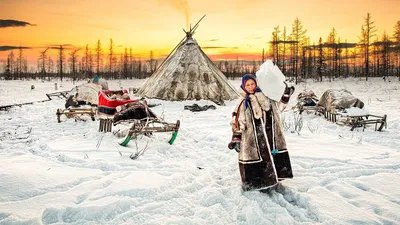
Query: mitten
pixel 287 93
pixel 235 142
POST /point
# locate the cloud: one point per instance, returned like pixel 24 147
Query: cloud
pixel 235 56
pixel 253 37
pixel 50 46
pixel 218 47
pixel 9 48
pixel 57 46
pixel 340 45
pixel 211 40
pixel 14 23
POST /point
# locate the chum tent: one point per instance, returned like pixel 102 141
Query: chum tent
pixel 188 74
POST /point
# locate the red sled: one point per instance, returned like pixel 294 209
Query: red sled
pixel 134 114
pixel 109 100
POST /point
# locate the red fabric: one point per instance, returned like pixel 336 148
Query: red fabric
pixel 106 101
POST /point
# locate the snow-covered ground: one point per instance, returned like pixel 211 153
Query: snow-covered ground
pixel 69 173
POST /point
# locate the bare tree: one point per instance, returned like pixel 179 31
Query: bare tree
pixel 237 70
pixel 42 62
pixel 396 38
pixel 110 57
pixel 284 39
pixel 8 70
pixel 346 56
pixel 298 35
pixel 73 63
pixel 25 65
pixel 12 64
pixel 385 54
pixel 367 33
pixel 131 63
pixel 310 60
pixel 140 68
pixel 99 50
pixel 20 60
pixel 304 71
pixel 275 45
pixel 321 65
pixel 254 67
pixel 151 61
pixel 331 51
pixel 85 60
pixel 263 56
pixel 375 57
pixel 338 58
pixel 125 64
pixel 121 65
pixel 50 65
pixel 61 58
pixel 303 62
pixel 314 57
pixel 88 62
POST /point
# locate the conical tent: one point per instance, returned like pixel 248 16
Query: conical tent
pixel 188 74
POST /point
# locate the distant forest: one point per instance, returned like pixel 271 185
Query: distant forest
pixel 332 58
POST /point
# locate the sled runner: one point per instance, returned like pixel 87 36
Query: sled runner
pixel 148 126
pixel 134 114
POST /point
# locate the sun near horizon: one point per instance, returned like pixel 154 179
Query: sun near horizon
pixel 239 29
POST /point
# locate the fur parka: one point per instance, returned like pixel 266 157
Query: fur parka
pixel 243 123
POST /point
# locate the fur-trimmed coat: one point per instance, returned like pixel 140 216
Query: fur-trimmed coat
pixel 243 123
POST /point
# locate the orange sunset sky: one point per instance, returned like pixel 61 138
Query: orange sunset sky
pixel 235 28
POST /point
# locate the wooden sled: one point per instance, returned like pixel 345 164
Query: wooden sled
pixel 317 110
pixel 80 100
pixel 60 94
pixel 135 115
pixel 144 126
pixel 340 118
pixel 108 107
pixel 149 126
pixel 339 106
pixel 307 102
pixel 76 113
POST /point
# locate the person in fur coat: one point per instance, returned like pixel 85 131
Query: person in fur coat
pixel 257 129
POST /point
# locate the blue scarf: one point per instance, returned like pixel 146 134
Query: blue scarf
pixel 245 78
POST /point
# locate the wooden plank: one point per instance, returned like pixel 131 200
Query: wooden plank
pixel 6 107
pixel 57 94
